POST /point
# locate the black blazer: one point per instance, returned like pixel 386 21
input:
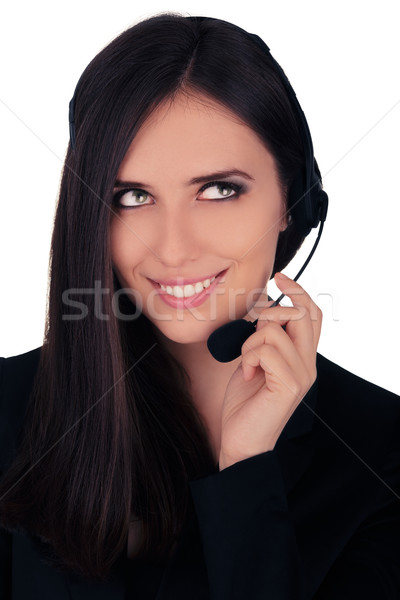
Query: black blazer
pixel 317 517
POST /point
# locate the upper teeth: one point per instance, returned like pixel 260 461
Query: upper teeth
pixel 186 291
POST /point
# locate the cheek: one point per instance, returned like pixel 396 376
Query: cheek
pixel 125 247
pixel 252 231
pixel 116 244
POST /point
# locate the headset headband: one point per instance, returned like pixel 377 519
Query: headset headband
pixel 307 201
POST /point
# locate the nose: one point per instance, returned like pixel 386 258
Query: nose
pixel 177 237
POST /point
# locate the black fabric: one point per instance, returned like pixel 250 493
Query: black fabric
pixel 316 518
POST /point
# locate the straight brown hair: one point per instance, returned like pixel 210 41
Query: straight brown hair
pixel 111 429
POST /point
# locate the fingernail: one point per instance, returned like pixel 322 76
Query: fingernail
pixel 282 276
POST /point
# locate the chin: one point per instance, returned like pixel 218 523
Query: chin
pixel 181 333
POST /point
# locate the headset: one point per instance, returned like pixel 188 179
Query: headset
pixel 307 203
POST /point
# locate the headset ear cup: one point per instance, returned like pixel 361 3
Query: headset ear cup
pixel 297 203
pixel 319 198
pixel 307 201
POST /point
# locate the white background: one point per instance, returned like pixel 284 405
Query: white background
pixel 342 59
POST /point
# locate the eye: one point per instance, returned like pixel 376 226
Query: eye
pixel 220 190
pixel 131 198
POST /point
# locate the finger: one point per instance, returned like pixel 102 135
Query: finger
pixel 278 374
pixel 272 334
pixel 293 289
pixel 300 298
pixel 280 314
pixel 299 330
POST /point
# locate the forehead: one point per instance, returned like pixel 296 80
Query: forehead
pixel 194 129
pixel 190 103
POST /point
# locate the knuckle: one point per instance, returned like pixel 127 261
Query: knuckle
pixel 271 324
pixel 266 356
pixel 246 346
pixel 294 313
pixel 266 351
pixel 266 316
pixel 261 323
pixel 302 311
pixel 316 313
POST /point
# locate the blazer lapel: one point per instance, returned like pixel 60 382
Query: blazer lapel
pixel 185 575
pixel 294 454
pixel 186 572
pixel 31 577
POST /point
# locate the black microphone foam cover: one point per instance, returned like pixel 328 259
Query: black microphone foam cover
pixel 225 343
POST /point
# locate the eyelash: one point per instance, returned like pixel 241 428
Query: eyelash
pixel 235 187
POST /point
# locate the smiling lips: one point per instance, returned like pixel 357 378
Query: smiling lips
pixel 188 290
pixel 193 293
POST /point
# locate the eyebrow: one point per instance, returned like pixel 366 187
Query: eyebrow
pixel 220 175
pixel 195 181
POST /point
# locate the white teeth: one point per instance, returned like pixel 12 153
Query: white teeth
pixel 187 291
pixel 178 292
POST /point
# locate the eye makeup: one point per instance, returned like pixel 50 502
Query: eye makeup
pixel 234 190
pixel 141 195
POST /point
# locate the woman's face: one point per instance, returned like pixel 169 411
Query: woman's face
pixel 197 197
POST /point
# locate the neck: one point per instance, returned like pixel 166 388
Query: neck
pixel 208 381
pixel 198 361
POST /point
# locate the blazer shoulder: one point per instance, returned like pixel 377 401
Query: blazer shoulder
pixel 354 406
pixel 332 374
pixel 17 374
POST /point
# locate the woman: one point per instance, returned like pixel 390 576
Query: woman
pixel 142 466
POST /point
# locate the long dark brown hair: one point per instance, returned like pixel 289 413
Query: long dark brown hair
pixel 111 429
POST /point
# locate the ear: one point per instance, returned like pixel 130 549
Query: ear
pixel 286 220
pixel 286 217
pixel 283 225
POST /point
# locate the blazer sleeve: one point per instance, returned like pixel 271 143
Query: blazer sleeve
pixel 5 539
pixel 248 539
pixel 250 545
pixel 5 565
pixel 369 565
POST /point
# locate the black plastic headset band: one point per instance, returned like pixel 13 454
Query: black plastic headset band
pixel 312 218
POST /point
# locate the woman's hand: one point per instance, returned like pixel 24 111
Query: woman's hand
pixel 278 368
